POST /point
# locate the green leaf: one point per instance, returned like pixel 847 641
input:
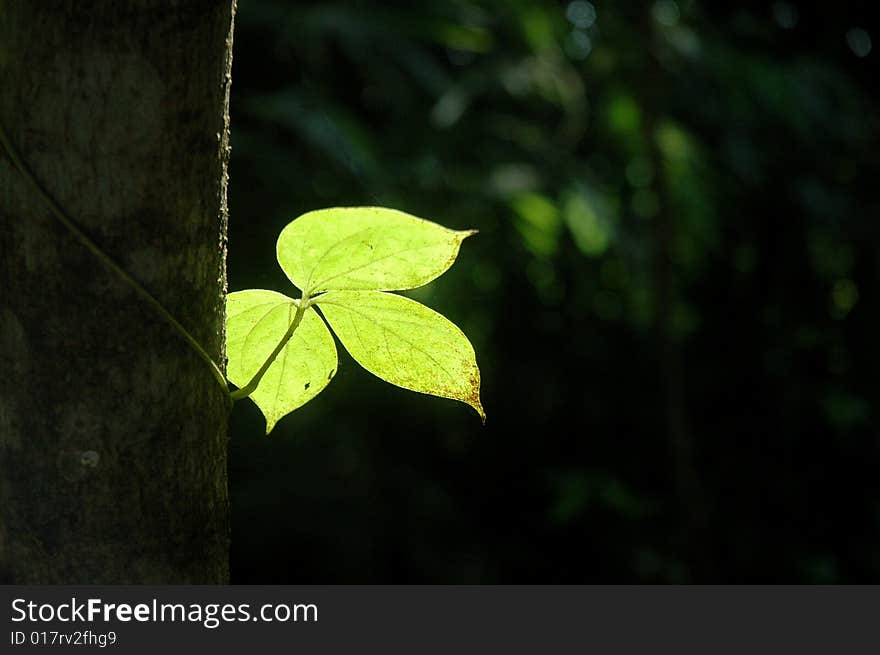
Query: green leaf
pixel 405 343
pixel 256 321
pixel 365 248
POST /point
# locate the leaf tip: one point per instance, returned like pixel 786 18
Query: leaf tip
pixel 478 406
pixel 467 233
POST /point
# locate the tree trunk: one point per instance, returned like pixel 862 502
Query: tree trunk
pixel 112 430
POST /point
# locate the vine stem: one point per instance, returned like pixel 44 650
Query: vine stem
pixel 251 386
pixel 105 259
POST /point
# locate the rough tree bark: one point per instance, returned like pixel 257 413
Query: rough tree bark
pixel 112 431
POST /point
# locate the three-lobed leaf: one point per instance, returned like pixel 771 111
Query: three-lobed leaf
pixel 344 260
pixel 365 248
pixel 256 321
pixel 405 343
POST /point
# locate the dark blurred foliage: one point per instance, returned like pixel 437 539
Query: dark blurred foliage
pixel 673 295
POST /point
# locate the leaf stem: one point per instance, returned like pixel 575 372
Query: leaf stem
pixel 105 259
pixel 251 386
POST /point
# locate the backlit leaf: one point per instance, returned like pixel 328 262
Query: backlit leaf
pixel 365 248
pixel 405 343
pixel 256 321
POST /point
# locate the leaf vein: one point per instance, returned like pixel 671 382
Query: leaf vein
pixel 397 253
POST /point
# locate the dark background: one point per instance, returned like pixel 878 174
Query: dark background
pixel 673 295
